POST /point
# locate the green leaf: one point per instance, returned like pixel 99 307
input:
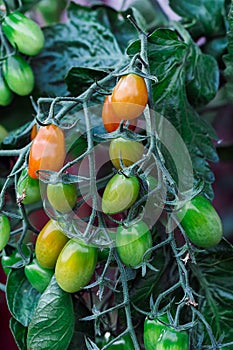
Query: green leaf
pixel 22 298
pixel 208 16
pixel 86 40
pixel 52 325
pixel 180 67
pixel 20 333
pixel 215 274
pixel 228 58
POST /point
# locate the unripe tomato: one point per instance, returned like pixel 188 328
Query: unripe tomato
pixel 201 222
pixel 120 193
pixel 4 231
pixel 158 336
pixel 110 120
pixel 6 95
pixel 3 133
pixel 75 266
pixel 124 343
pixel 38 276
pixel 28 189
pixel 62 196
pixel 49 244
pixel 126 151
pixel 23 33
pixel 18 75
pixel 7 261
pixel 132 242
pixel 129 96
pixel 47 151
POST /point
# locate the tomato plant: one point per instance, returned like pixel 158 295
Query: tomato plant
pixel 62 196
pixel 129 96
pixel 75 265
pixel 6 95
pixel 160 336
pixel 120 193
pixel 124 343
pixel 38 276
pixel 47 151
pixel 28 189
pixel 49 244
pixel 18 75
pixel 132 242
pixel 23 33
pixel 4 231
pixel 124 151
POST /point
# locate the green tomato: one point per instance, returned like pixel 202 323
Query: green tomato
pixel 126 151
pixel 8 261
pixel 62 196
pixel 124 343
pixel 159 336
pixel 6 95
pixel 51 10
pixel 23 33
pixel 201 222
pixel 38 276
pixel 49 244
pixel 75 266
pixel 120 193
pixel 3 133
pixel 28 188
pixel 132 242
pixel 18 75
pixel 4 231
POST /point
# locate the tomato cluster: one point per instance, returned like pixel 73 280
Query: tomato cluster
pixel 25 37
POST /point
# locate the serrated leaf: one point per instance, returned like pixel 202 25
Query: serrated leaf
pixel 86 40
pixel 228 58
pixel 22 298
pixel 52 325
pixel 19 332
pixel 208 15
pixel 214 274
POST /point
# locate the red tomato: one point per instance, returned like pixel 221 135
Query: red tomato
pixel 110 120
pixel 47 151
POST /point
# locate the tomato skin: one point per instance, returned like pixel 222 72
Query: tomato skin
pixel 126 151
pixel 3 133
pixel 18 75
pixel 23 33
pixel 129 96
pixel 124 343
pixel 110 119
pixel 49 244
pixel 62 196
pixel 47 151
pixel 75 266
pixel 9 260
pixel 28 188
pixel 6 95
pixel 38 276
pixel 201 222
pixel 158 336
pixel 4 231
pixel 119 194
pixel 132 242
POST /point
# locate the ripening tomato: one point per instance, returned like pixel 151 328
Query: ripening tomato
pixel 47 151
pixel 33 132
pixel 201 222
pixel 38 276
pixel 110 119
pixel 75 265
pixel 120 193
pixel 4 231
pixel 132 242
pixel 18 75
pixel 62 196
pixel 129 96
pixel 159 336
pixel 6 95
pixel 126 151
pixel 49 244
pixel 28 189
pixel 23 33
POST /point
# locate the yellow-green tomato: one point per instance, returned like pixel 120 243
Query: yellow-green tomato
pixel 201 222
pixel 5 93
pixel 28 189
pixel 125 151
pixel 49 244
pixel 62 196
pixel 38 276
pixel 132 242
pixel 120 193
pixel 23 33
pixel 4 231
pixel 75 266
